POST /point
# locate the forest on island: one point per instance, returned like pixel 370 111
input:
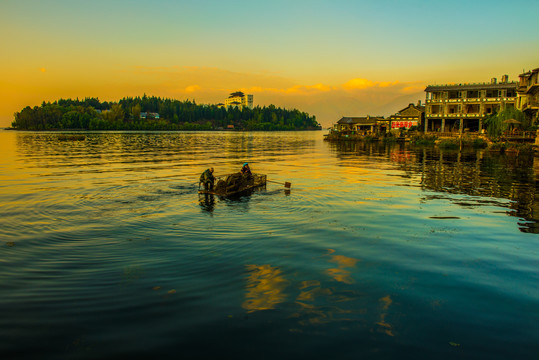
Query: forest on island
pixel 155 113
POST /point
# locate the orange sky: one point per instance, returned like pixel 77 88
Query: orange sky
pixel 329 59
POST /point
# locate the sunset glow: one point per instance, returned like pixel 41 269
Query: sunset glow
pixel 326 58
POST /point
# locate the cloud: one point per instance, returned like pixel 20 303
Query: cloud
pixel 192 88
pixel 362 84
pixel 214 82
pixel 309 89
pixel 293 90
pixel 328 101
pixel 365 86
pixel 413 89
pixel 358 84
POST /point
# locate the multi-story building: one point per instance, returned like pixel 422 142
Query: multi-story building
pixel 528 94
pixel 412 115
pixel 240 100
pixel 463 107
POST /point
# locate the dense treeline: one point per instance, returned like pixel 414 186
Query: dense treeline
pixel 155 113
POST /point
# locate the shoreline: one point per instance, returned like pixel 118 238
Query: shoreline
pixel 105 130
pixel 457 142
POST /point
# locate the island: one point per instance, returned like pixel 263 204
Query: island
pixel 156 113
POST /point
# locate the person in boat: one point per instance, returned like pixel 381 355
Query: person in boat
pixel 245 170
pixel 207 179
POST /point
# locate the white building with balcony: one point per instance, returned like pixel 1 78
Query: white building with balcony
pixel 463 107
pixel 240 100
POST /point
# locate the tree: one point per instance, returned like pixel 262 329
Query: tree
pixel 136 110
pixel 173 115
pixel 497 124
pixel 115 114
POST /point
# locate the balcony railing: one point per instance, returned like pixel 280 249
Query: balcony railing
pixel 455 115
pixel 496 99
pixel 530 105
pixel 532 86
pixel 518 135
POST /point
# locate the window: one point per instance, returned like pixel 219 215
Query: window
pixel 492 93
pixel 453 94
pixel 473 94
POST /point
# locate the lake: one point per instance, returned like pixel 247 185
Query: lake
pixel 376 252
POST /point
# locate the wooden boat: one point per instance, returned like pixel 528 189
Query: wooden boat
pixel 235 184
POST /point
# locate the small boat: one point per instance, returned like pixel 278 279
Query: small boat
pixel 235 184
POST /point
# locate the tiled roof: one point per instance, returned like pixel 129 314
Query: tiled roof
pixel 360 120
pixel 415 107
pixel 509 85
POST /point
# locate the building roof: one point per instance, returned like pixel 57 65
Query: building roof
pixel 480 86
pixel 368 120
pixel 398 116
pixel 420 108
pixel 237 94
pixel 529 72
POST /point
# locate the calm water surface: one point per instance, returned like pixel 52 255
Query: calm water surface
pixel 107 250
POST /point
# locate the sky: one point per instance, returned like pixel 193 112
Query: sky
pixel 327 58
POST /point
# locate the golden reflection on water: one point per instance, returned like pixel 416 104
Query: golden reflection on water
pixel 8 162
pixel 309 312
pixel 385 327
pixel 265 288
pixel 313 298
pixel 341 273
pixel 313 301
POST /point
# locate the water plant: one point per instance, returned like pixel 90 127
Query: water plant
pixel 448 144
pixel 424 139
pixel 479 143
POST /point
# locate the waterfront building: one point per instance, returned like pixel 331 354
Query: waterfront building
pixel 149 115
pixel 239 99
pixel 412 115
pixel 463 107
pixel 528 94
pixel 361 125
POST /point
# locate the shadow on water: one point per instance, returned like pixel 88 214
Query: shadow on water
pixel 239 201
pixel 478 173
pixel 485 174
pixel 182 189
pixel 207 202
pixel 381 251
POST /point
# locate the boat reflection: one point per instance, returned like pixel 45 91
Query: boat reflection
pixel 239 201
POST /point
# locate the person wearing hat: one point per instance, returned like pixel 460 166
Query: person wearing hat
pixel 207 179
pixel 245 170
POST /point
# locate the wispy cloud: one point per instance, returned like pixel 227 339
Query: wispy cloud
pixel 355 97
pixel 309 89
pixel 192 88
pixel 210 85
pixel 361 84
pixel 180 79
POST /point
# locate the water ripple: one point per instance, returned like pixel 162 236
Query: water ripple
pixel 372 246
